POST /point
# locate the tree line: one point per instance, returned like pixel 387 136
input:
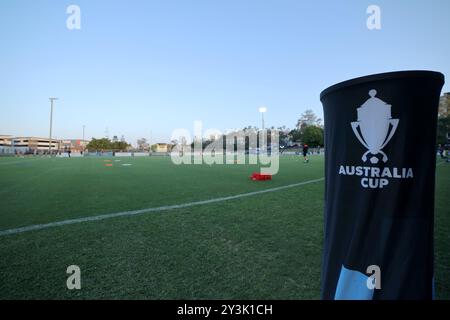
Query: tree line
pixel 107 144
pixel 308 130
pixel 443 125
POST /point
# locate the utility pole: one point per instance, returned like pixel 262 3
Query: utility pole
pixel 51 124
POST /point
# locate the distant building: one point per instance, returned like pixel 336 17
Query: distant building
pixel 74 145
pixel 444 105
pixel 5 144
pixel 160 147
pixel 12 145
pixel 35 144
pixel 5 140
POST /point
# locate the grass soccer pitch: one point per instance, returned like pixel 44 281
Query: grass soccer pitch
pixel 214 234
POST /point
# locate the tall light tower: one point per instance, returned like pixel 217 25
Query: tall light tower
pixel 262 110
pixel 51 124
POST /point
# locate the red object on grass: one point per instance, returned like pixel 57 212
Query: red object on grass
pixel 260 177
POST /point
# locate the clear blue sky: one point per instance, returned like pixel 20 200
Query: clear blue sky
pixel 141 67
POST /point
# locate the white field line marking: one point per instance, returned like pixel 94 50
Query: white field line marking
pixel 440 163
pixel 148 210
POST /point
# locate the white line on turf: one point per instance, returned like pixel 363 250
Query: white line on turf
pixel 156 209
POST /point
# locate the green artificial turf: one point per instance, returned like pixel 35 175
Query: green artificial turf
pixel 266 246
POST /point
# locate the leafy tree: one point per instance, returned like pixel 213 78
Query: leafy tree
pixel 119 146
pixel 443 125
pixel 444 105
pixel 313 136
pixel 308 118
pixel 443 129
pixel 296 135
pixel 99 144
pixel 106 144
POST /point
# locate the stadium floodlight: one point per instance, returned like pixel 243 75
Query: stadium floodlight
pixel 51 123
pixel 262 110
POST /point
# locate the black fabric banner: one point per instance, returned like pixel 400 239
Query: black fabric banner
pixel 380 154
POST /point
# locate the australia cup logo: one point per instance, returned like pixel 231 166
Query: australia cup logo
pixel 375 127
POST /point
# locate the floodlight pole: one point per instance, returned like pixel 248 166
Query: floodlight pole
pixel 51 124
pixel 262 110
pixel 262 119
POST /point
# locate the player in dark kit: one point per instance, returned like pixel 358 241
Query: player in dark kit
pixel 305 153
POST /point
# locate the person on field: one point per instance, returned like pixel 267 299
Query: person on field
pixel 441 151
pixel 305 153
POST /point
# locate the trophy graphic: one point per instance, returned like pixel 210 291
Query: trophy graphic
pixel 375 126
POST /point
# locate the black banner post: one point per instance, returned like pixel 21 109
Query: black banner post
pixel 380 157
